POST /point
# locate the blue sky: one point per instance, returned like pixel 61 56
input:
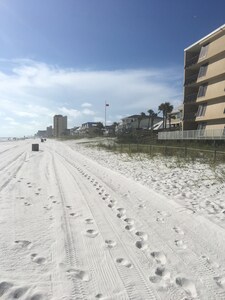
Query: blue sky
pixel 70 56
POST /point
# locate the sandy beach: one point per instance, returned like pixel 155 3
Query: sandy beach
pixel 80 223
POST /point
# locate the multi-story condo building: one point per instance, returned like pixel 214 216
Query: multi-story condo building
pixel 49 131
pixel 204 83
pixel 60 125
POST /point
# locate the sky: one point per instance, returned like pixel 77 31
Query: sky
pixel 70 57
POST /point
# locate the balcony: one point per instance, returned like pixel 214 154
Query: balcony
pixel 189 116
pixel 191 79
pixel 191 61
pixel 191 98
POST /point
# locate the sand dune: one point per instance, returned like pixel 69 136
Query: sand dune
pixel 77 223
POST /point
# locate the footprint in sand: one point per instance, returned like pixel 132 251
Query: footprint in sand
pixel 124 262
pixel 47 207
pixel 141 245
pixel 220 281
pixel 142 235
pixel 37 297
pixel 129 221
pixel 130 227
pixel 160 220
pixel 75 214
pixel 142 206
pixel 24 244
pixel 92 233
pixel 37 259
pixel 99 296
pixel 160 274
pixel 159 257
pixel 121 210
pixel 155 279
pixel 120 215
pixel 4 287
pixel 79 274
pixel 163 213
pixel 180 244
pixel 210 262
pixel 18 292
pixel 68 206
pixel 110 243
pixel 89 221
pixel 187 285
pixel 178 230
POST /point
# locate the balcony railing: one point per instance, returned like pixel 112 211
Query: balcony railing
pixel 191 61
pixel 203 134
pixel 191 79
pixel 190 98
pixel 189 116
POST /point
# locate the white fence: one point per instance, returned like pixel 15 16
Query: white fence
pixel 209 134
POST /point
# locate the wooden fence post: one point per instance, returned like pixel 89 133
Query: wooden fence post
pixel 214 156
pixel 165 150
pixel 185 151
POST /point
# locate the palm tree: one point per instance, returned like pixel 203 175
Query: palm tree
pixel 151 116
pixel 140 117
pixel 165 108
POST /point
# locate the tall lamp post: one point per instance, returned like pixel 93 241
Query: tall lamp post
pixel 106 105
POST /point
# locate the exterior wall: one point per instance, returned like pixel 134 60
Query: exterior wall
pixel 60 125
pixel 49 131
pixel 213 111
pixel 205 86
pixel 214 69
pixel 216 47
pixel 214 90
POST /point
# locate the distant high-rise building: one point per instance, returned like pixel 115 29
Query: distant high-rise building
pixel 60 125
pixel 49 131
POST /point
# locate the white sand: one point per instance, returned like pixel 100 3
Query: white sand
pixel 79 223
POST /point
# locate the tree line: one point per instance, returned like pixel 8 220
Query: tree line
pixel 164 108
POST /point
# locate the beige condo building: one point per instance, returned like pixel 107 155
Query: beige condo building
pixel 60 125
pixel 204 83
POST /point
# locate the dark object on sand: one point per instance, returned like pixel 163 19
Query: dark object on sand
pixel 35 147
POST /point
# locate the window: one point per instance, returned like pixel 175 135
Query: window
pixel 201 126
pixel 203 51
pixel 201 110
pixel 202 70
pixel 202 90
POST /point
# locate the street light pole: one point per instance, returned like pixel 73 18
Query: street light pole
pixel 106 105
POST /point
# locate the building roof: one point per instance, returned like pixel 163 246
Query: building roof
pixel 207 36
pixel 131 117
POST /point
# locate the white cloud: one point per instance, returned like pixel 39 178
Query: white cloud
pixel 69 112
pixel 26 114
pixel 88 112
pixel 86 104
pixel 35 90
